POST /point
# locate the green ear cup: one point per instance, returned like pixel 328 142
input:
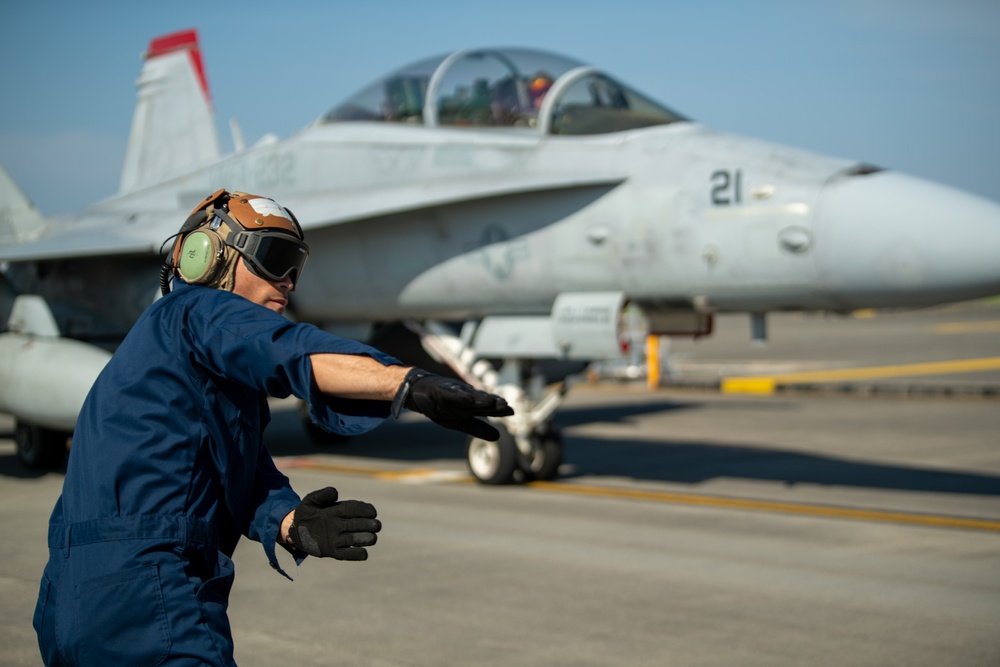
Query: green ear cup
pixel 198 260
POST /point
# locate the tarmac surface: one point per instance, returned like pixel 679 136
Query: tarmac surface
pixel 951 350
pixel 847 521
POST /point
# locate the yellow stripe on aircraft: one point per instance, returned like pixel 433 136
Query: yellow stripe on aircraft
pixel 767 384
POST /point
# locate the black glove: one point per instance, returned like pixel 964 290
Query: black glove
pixel 321 526
pixel 450 403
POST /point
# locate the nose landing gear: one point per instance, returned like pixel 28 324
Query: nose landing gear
pixel 512 459
pixel 530 447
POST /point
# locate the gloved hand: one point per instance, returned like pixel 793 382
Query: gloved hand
pixel 450 403
pixel 323 527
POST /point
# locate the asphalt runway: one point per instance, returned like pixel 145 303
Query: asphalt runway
pixel 688 526
pixel 951 349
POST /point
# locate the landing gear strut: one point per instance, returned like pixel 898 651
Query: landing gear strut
pixel 530 447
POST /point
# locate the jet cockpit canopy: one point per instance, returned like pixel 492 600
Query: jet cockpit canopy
pixel 504 88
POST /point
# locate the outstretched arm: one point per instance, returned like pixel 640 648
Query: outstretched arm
pixel 449 403
pixel 356 376
pixel 321 526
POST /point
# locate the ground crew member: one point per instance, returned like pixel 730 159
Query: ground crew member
pixel 167 468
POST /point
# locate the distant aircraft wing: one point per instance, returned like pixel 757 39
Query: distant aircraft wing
pixel 19 219
pixel 96 235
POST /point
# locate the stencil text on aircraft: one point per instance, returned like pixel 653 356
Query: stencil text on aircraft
pixel 258 173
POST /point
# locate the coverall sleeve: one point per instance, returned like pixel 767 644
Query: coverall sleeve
pixel 273 498
pixel 247 344
pixel 258 348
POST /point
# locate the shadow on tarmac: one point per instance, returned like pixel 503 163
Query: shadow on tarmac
pixel 696 462
pixel 675 461
pixel 10 466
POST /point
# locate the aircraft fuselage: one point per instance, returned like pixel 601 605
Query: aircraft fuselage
pixel 678 215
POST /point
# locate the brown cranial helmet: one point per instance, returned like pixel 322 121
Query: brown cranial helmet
pixel 226 226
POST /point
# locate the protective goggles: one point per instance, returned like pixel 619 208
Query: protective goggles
pixel 271 255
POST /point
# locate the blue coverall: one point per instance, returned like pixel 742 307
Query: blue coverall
pixel 167 470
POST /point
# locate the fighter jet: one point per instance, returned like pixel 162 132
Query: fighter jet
pixel 508 205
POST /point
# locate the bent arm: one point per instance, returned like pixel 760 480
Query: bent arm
pixel 356 376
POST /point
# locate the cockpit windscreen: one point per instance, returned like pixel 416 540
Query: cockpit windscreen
pixel 597 104
pixel 396 98
pixel 498 88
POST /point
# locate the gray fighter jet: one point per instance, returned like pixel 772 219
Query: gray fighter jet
pixel 507 205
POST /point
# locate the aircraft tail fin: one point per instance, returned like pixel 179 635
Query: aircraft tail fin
pixel 19 219
pixel 173 128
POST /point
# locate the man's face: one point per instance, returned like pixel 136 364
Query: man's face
pixel 271 294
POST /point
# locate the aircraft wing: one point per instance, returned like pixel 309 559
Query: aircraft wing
pixel 19 219
pixel 338 208
pixel 97 234
pixel 102 232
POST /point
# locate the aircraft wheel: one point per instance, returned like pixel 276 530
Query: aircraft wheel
pixel 38 447
pixel 548 455
pixel 492 462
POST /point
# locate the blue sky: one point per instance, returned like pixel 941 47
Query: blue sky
pixel 910 85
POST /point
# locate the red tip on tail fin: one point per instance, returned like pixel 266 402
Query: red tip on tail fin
pixel 176 41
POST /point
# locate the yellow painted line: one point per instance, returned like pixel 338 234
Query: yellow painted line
pixel 692 499
pixel 308 464
pixel 423 476
pixel 722 502
pixel 758 384
pixel 409 475
pixel 989 326
pixel 748 385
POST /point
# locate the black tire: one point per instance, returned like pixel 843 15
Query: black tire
pixel 548 457
pixel 492 463
pixel 40 448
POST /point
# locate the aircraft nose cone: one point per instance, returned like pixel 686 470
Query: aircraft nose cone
pixel 887 239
